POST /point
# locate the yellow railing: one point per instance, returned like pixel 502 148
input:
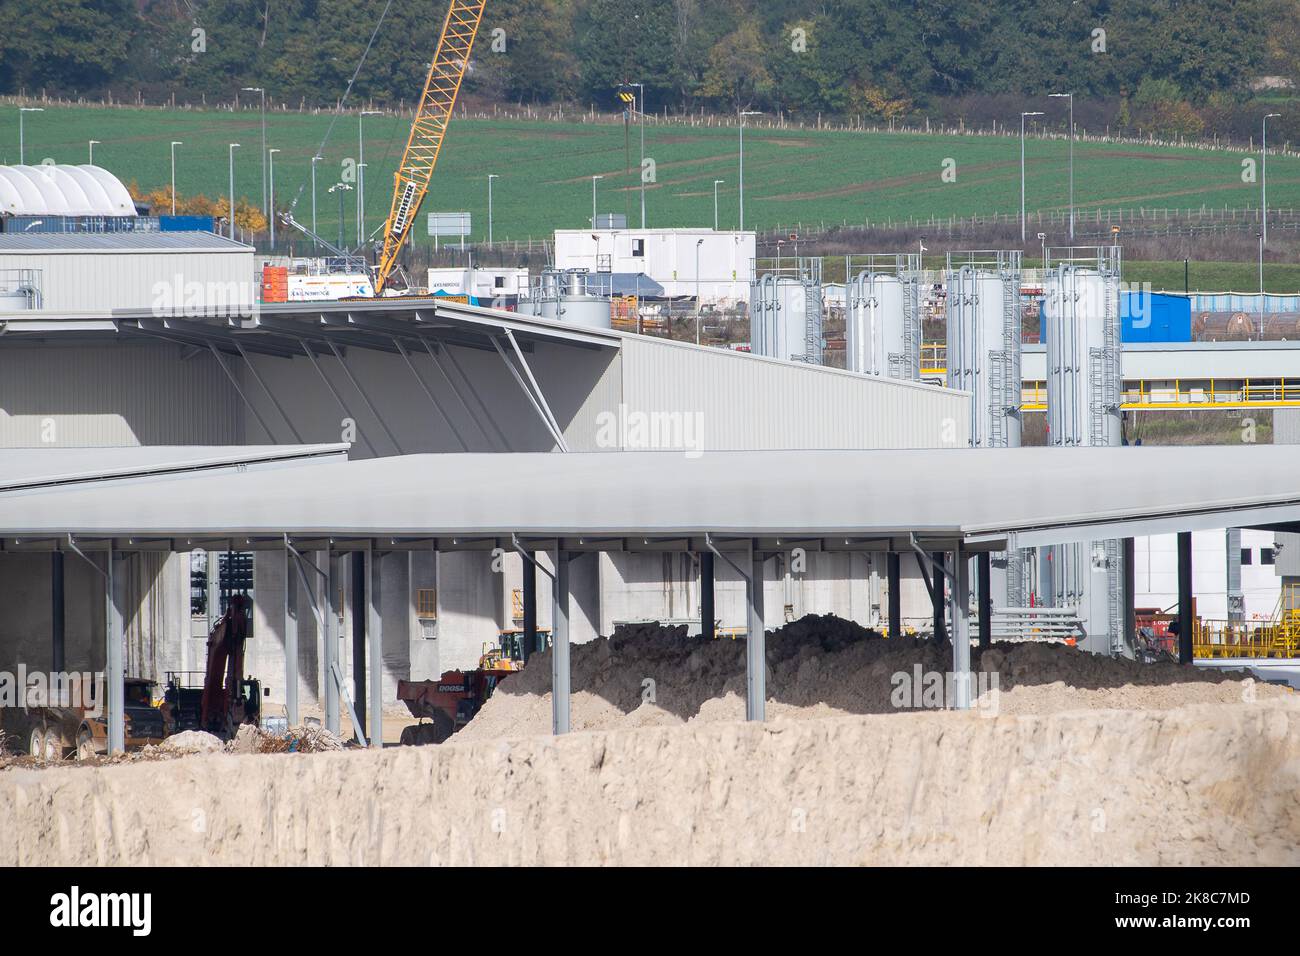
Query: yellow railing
pixel 1179 394
pixel 934 358
pixel 1277 638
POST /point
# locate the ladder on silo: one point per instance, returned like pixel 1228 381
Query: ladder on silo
pixel 998 366
pixel 813 322
pixel 1116 600
pixel 911 360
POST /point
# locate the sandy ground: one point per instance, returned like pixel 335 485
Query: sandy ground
pixel 1075 760
pixel 1210 784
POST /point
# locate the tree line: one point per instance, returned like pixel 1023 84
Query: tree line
pixel 1170 67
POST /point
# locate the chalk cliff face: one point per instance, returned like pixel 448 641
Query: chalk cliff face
pixel 1205 784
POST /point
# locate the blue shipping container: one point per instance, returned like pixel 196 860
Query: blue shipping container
pixel 1155 317
pixel 186 224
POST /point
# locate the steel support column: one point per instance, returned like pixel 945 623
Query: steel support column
pixel 529 639
pixel 360 605
pixel 1185 597
pixel 115 636
pixel 331 637
pixel 1130 596
pixel 936 595
pixel 708 616
pixel 985 598
pixel 290 640
pixel 560 645
pixel 374 630
pixel 58 648
pixel 755 643
pixel 894 573
pixel 960 610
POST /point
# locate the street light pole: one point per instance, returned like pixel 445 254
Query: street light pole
pixel 314 160
pixel 594 180
pixel 1263 181
pixel 1022 173
pixel 260 90
pixel 716 184
pixel 233 147
pixel 175 143
pixel 340 188
pixel 93 142
pixel 1070 97
pixel 361 176
pixel 743 114
pixel 698 303
pixel 22 160
pixel 641 87
pixel 491 176
pixel 1260 236
pixel 271 195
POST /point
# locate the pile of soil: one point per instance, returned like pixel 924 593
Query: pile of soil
pixel 647 675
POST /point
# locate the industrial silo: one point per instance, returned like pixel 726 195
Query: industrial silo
pixel 1081 331
pixel 565 295
pixel 785 311
pixel 983 357
pixel 882 316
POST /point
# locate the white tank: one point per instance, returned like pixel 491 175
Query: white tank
pixel 881 326
pixel 779 317
pixel 983 304
pixel 1081 332
pixel 563 296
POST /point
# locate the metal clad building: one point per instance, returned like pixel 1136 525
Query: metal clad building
pixel 94 272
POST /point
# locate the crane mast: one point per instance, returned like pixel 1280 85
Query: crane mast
pixel 411 182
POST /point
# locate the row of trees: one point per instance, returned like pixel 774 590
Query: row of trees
pixel 876 59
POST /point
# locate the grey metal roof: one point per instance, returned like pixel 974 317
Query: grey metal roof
pixel 835 500
pixel 46 243
pixel 30 468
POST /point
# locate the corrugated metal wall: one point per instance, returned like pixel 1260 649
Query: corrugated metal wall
pixel 115 394
pixel 96 282
pixel 744 401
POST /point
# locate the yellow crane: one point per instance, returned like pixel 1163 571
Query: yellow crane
pixel 411 182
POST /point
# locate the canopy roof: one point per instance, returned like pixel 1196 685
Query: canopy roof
pixel 54 190
pixel 982 499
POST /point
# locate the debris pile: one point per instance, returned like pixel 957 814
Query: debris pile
pixel 822 666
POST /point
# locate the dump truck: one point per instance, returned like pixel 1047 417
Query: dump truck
pixel 451 701
pixel 56 729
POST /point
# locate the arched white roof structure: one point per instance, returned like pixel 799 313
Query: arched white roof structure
pixel 52 190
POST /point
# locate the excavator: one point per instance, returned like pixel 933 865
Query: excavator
pixel 227 699
pixel 423 145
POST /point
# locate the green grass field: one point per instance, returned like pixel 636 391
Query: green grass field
pixel 806 177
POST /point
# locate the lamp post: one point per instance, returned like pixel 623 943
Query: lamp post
pixel 698 302
pixel 594 180
pixel 1022 172
pixel 92 143
pixel 1070 97
pixel 175 143
pixel 21 144
pixel 716 184
pixel 1260 236
pixel 491 176
pixel 233 147
pixel 361 176
pixel 743 114
pixel 641 88
pixel 1263 179
pixel 340 188
pixel 270 155
pixel 314 160
pixel 260 90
